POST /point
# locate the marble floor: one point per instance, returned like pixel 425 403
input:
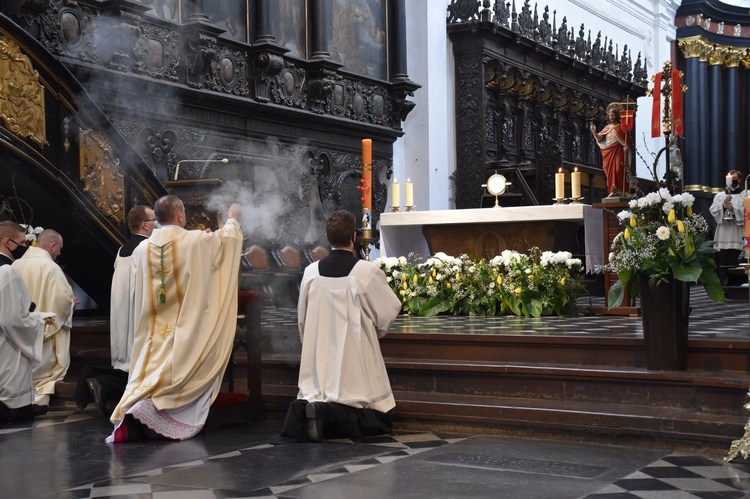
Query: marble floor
pixel 63 455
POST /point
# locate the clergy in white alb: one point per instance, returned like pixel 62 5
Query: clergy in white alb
pixel 186 313
pixel 21 337
pixel 727 210
pixel 50 290
pixel 345 305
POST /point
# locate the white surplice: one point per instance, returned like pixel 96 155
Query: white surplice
pixel 51 292
pixel 20 340
pixel 728 233
pixel 341 360
pixel 186 316
pixel 122 312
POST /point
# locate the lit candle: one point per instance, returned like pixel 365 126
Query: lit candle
pixel 395 194
pixel 575 184
pixel 408 193
pixel 559 184
pixel 367 174
pixel 746 230
pixel 728 180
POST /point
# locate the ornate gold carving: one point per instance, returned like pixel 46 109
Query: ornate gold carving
pixel 691 47
pixel 716 54
pixel 101 175
pixel 21 94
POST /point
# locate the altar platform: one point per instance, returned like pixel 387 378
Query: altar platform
pixel 582 374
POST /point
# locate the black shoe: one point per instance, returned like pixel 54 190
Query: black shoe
pixel 99 397
pixel 38 410
pixel 315 421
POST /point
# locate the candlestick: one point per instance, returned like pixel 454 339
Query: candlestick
pixel 746 229
pixel 575 184
pixel 409 193
pixel 559 185
pixel 395 195
pixel 367 174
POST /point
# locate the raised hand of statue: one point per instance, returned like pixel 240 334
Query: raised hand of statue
pixel 234 211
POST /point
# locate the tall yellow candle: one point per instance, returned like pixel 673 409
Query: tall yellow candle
pixel 367 174
pixel 746 229
pixel 575 184
pixel 395 194
pixel 408 193
pixel 559 184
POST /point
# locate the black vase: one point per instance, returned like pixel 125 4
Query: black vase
pixel 664 311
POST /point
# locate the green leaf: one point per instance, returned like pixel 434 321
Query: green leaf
pixel 434 306
pixel 711 282
pixel 415 304
pixel 535 308
pixel 686 272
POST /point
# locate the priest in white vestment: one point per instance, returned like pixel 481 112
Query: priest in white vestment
pixel 51 292
pixel 345 306
pixel 186 313
pixel 727 209
pixel 103 385
pixel 21 334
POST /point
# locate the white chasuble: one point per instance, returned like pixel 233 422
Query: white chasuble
pixel 20 340
pixel 50 290
pixel 340 321
pixel 186 317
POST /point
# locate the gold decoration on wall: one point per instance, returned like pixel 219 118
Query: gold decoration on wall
pixel 715 53
pixel 101 175
pixel 21 94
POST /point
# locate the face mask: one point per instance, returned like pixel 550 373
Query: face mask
pixel 735 183
pixel 18 251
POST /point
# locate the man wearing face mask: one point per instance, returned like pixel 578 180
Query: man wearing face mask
pixel 727 210
pixel 51 292
pixel 20 334
pixel 345 305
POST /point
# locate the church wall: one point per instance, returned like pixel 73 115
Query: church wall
pixel 429 143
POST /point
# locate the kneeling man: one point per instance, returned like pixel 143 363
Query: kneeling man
pixel 345 305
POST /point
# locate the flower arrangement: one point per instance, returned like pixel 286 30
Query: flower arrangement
pixel 537 284
pixel 31 233
pixel 661 238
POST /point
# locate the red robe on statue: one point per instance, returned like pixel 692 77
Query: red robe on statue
pixel 613 148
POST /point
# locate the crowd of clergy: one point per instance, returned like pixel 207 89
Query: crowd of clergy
pixel 173 316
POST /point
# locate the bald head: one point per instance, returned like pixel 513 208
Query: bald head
pixel 50 241
pixel 169 210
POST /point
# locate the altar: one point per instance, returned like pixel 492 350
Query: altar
pixel 485 232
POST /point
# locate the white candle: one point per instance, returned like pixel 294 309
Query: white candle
pixel 395 194
pixel 575 184
pixel 559 184
pixel 728 180
pixel 408 193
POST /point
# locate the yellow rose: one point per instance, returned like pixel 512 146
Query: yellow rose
pixel 405 285
pixel 433 273
pixel 627 234
pixel 517 291
pixel 430 281
pixel 689 210
pixel 670 217
pixel 531 277
pixel 680 227
pixel 448 285
pixel 458 277
pixel 633 221
pixel 499 280
pixel 415 278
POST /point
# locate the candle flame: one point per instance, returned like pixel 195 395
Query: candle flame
pixel 408 180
